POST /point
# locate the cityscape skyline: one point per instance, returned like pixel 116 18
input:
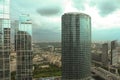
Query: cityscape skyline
pixel 71 51
pixel 47 22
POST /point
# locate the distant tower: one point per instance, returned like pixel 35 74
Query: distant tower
pixel 105 54
pixel 113 47
pixel 4 40
pixel 23 47
pixel 76 46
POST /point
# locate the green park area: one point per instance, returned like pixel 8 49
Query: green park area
pixel 39 72
pixel 50 71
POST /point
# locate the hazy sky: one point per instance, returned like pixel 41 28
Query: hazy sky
pixel 46 17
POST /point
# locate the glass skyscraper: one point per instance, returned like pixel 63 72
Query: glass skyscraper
pixel 23 47
pixel 4 40
pixel 76 46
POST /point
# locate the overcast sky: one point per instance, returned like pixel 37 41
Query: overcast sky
pixel 46 17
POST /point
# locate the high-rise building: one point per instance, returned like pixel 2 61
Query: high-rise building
pixel 4 40
pixel 23 48
pixel 76 46
pixel 105 54
pixel 113 46
pixel 116 57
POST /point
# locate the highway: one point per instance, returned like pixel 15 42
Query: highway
pixel 104 73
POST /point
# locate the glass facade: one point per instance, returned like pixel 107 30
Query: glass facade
pixel 76 46
pixel 4 9
pixel 23 47
pixel 4 40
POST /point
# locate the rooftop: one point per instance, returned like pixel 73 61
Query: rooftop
pixel 76 13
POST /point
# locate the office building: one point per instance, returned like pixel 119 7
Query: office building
pixel 105 54
pixel 4 40
pixel 23 48
pixel 76 46
pixel 113 46
pixel 116 57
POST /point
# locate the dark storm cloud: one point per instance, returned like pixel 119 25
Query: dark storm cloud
pixel 48 11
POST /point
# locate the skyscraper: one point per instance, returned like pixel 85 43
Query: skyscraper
pixel 113 46
pixel 105 54
pixel 23 47
pixel 4 40
pixel 116 57
pixel 76 46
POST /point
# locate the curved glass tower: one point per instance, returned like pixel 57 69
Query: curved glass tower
pixel 23 47
pixel 4 40
pixel 76 44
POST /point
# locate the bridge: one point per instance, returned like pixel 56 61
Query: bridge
pixel 104 73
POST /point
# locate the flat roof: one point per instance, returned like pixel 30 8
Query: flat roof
pixel 75 13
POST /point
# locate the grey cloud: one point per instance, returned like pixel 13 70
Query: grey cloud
pixel 106 7
pixel 79 4
pixel 45 35
pixel 48 11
